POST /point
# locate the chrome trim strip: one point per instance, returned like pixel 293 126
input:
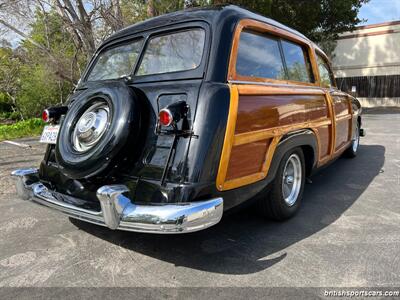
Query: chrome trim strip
pixel 119 212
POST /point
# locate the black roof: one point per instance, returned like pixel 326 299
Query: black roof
pixel 211 14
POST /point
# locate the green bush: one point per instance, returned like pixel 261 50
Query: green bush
pixel 10 115
pixel 39 90
pixel 5 105
pixel 31 127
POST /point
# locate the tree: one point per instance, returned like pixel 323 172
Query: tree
pixel 9 79
pixel 319 20
pixel 29 78
pixel 59 36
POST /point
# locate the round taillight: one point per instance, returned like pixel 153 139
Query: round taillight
pixel 45 116
pixel 165 117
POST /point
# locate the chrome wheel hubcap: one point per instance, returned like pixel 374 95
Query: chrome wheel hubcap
pixel 291 183
pixel 356 140
pixel 91 126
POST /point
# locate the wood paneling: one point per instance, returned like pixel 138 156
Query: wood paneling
pixel 258 119
pixel 256 112
pixel 324 141
pixel 267 109
pixel 342 133
pixel 247 159
pixel 341 105
pixel 343 117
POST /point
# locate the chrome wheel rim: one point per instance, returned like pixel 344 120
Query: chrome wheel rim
pixel 356 140
pixel 91 126
pixel 291 179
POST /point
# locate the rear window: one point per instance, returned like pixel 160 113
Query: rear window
pixel 180 51
pixel 173 52
pixel 116 62
pixel 259 56
pixel 264 56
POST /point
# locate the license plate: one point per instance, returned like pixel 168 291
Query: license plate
pixel 49 134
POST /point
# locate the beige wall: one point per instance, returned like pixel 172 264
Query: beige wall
pixel 373 55
pixel 381 102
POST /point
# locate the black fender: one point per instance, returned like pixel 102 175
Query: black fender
pixel 247 194
pixel 304 138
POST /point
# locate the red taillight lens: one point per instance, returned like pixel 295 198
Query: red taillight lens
pixel 165 117
pixel 45 116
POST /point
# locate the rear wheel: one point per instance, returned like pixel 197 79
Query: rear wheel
pixel 284 198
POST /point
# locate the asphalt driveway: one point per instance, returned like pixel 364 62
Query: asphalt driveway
pixel 346 234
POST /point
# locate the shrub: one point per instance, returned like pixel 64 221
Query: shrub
pixel 39 90
pixel 31 127
pixel 10 115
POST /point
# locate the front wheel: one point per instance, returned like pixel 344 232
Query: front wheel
pixel 283 200
pixel 352 150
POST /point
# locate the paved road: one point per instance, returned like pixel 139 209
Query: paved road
pixel 346 234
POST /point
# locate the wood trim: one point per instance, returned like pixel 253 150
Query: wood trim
pixel 316 132
pixel 332 117
pixel 351 119
pixel 334 155
pixel 249 89
pixel 253 136
pixel 340 150
pixel 344 117
pixel 325 58
pixel 259 135
pixel 229 136
pixel 314 65
pixel 238 182
pixel 272 30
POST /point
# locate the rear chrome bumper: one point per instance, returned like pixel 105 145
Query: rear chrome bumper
pixel 119 212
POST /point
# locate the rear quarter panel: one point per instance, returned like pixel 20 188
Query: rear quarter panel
pixel 260 117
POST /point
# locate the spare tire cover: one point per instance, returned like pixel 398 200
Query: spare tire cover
pixel 98 124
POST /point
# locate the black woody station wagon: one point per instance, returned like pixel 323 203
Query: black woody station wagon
pixel 187 115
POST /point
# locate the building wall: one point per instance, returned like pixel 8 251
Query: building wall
pixel 369 60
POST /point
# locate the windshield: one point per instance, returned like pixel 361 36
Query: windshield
pixel 174 52
pixel 116 62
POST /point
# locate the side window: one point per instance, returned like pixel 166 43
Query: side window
pixel 324 72
pixel 297 62
pixel 259 56
pixel 265 56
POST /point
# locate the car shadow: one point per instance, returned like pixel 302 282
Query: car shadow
pixel 245 243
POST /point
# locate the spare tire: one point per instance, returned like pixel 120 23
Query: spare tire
pixel 97 126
